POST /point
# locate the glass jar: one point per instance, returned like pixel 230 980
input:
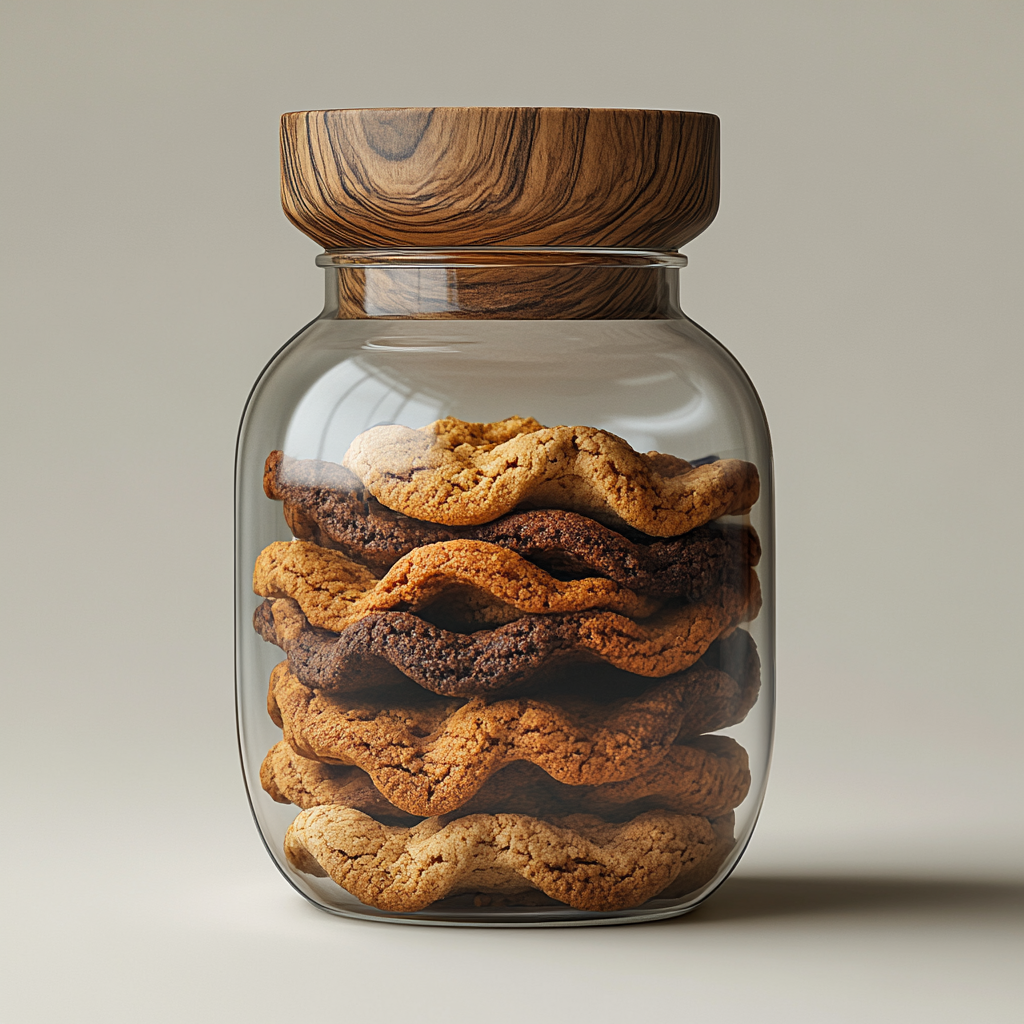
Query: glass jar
pixel 504 533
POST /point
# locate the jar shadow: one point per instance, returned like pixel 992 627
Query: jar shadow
pixel 752 898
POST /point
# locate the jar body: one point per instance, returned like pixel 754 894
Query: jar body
pixel 482 730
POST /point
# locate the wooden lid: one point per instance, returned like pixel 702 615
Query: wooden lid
pixel 510 176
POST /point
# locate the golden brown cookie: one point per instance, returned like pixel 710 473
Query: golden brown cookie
pixel 380 645
pixel 707 775
pixel 328 505
pixel 473 583
pixel 429 755
pixel 579 860
pixel 289 778
pixel 697 875
pixel 458 473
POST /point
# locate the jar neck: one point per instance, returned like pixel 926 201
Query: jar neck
pixel 501 284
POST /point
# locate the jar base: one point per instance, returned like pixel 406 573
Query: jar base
pixel 469 912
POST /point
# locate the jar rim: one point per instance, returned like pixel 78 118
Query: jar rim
pixel 500 256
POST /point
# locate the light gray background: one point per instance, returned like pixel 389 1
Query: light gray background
pixel 865 268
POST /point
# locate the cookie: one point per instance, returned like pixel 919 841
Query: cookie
pixel 708 776
pixel 381 645
pixel 430 755
pixel 686 883
pixel 460 473
pixel 735 656
pixel 695 876
pixel 579 860
pixel 472 583
pixel 328 505
pixel 316 660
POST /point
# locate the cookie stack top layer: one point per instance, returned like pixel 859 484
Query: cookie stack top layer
pixel 460 473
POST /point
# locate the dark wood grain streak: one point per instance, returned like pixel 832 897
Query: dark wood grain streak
pixel 512 176
pixel 505 293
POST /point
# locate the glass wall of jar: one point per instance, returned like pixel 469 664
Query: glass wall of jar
pixel 504 559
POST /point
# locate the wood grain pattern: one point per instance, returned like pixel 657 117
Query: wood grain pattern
pixel 504 293
pixel 513 176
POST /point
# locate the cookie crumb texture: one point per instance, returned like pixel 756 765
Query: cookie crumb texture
pixel 706 775
pixel 327 504
pixel 459 473
pixel 507 645
pixel 382 646
pixel 478 583
pixel 578 860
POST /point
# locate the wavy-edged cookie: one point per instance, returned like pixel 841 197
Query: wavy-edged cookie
pixel 328 505
pixel 707 775
pixel 470 582
pixel 458 473
pixel 579 860
pixel 381 645
pixel 686 883
pixel 430 755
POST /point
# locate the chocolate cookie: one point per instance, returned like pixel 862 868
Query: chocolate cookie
pixel 429 755
pixel 380 645
pixel 580 860
pixel 471 583
pixel 328 505
pixel 460 473
pixel 706 776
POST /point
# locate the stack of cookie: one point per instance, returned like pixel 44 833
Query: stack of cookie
pixel 506 647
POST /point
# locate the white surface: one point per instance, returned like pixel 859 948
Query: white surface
pixel 865 268
pixel 176 932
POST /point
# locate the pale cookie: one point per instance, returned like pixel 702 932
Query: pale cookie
pixel 469 582
pixel 491 660
pixel 460 473
pixel 328 505
pixel 579 860
pixel 708 776
pixel 685 885
pixel 430 755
